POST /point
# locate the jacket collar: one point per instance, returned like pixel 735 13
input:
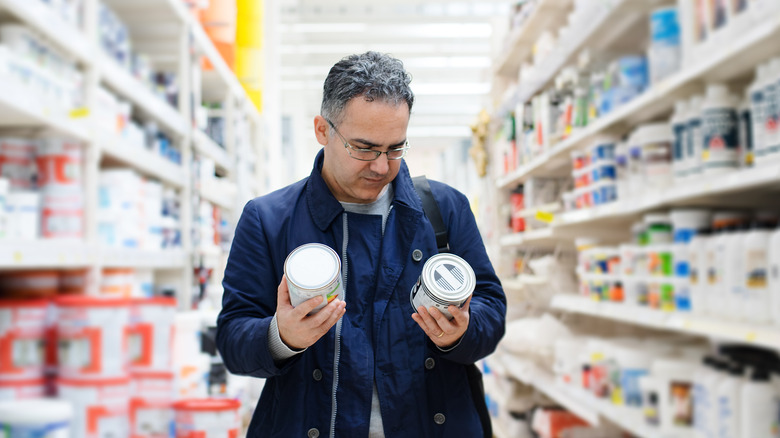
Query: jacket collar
pixel 325 207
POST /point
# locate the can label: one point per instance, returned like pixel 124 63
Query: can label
pixel 446 280
pixel 313 270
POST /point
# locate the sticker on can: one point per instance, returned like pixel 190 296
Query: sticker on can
pixel 446 279
pixel 313 270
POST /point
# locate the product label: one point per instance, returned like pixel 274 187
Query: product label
pixel 756 266
pixel 651 407
pixel 718 13
pixel 680 130
pixel 693 144
pixel 693 265
pixel 629 384
pixel 771 116
pixel 757 111
pixel 721 138
pixel 681 401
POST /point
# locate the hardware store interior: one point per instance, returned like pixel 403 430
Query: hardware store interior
pixel 621 159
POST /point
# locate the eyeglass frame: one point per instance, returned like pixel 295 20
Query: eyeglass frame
pixel 377 154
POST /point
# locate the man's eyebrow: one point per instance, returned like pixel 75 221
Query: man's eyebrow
pixel 374 145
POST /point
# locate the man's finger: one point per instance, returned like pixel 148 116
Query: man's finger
pixel 307 306
pixel 283 294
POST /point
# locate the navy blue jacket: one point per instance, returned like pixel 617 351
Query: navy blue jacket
pixel 378 337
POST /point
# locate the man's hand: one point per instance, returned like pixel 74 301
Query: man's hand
pixel 443 332
pixel 299 331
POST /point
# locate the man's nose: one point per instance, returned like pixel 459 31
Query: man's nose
pixel 381 165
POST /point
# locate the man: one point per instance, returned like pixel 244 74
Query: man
pixel 366 365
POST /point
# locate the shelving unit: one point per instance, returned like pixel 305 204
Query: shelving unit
pixel 616 27
pixel 173 40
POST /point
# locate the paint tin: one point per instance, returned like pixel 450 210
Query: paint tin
pixel 446 280
pixel 313 270
pixel 35 418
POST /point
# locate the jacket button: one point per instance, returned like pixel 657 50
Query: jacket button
pixel 417 255
pixel 313 433
pixel 317 374
pixel 430 363
pixel 439 418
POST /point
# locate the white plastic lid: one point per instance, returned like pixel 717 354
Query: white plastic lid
pixel 35 411
pixel 312 266
pixel 680 110
pixel 653 132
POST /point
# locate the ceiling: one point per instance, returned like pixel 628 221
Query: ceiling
pixel 445 45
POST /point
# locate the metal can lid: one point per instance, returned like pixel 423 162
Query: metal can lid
pixel 449 277
pixel 312 266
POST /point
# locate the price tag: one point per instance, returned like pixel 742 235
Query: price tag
pixel 751 337
pixel 544 216
pixel 79 113
pixel 18 257
pixel 62 259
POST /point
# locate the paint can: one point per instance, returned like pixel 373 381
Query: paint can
pixel 22 339
pixel 101 406
pixel 151 405
pixel 36 418
pixel 150 339
pixel 446 279
pixel 313 270
pixel 207 418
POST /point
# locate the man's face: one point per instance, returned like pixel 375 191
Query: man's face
pixel 375 125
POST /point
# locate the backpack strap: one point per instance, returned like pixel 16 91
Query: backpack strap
pixel 431 207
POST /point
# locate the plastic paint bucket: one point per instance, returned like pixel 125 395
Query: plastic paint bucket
pixel 207 418
pixel 151 334
pixel 22 338
pixel 22 389
pixel 313 270
pixel 151 405
pixel 92 337
pixel 35 419
pixel 62 213
pixel 100 406
pixel 59 164
pixel 446 279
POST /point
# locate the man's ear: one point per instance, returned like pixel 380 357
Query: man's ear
pixel 321 130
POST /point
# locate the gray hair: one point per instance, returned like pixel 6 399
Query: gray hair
pixel 371 75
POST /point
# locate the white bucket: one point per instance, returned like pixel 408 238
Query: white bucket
pixel 446 279
pixel 22 389
pixel 207 418
pixel 92 337
pixel 59 164
pixel 62 214
pixel 151 334
pixel 22 339
pixel 17 162
pixel 100 406
pixel 313 270
pixel 36 419
pixel 151 405
pixel 117 282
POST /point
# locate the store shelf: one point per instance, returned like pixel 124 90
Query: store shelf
pixel 206 146
pixel 166 11
pixel 145 101
pixel 221 81
pixel 735 60
pixel 742 184
pixel 219 193
pixel 759 335
pixel 547 15
pixel 146 162
pixel 27 254
pixel 576 400
pixel 17 108
pixel 43 20
pixel 539 237
pixel 134 258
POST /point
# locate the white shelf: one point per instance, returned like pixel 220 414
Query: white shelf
pixel 540 237
pixel 40 17
pixel 735 60
pixel 134 258
pixel 146 162
pixel 548 14
pixel 18 108
pixel 222 81
pixel 578 401
pixel 147 102
pixel 221 194
pixel 16 254
pixel 701 189
pixel 209 148
pixel 759 335
pixel 169 11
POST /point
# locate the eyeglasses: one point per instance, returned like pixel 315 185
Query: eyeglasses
pixel 367 154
